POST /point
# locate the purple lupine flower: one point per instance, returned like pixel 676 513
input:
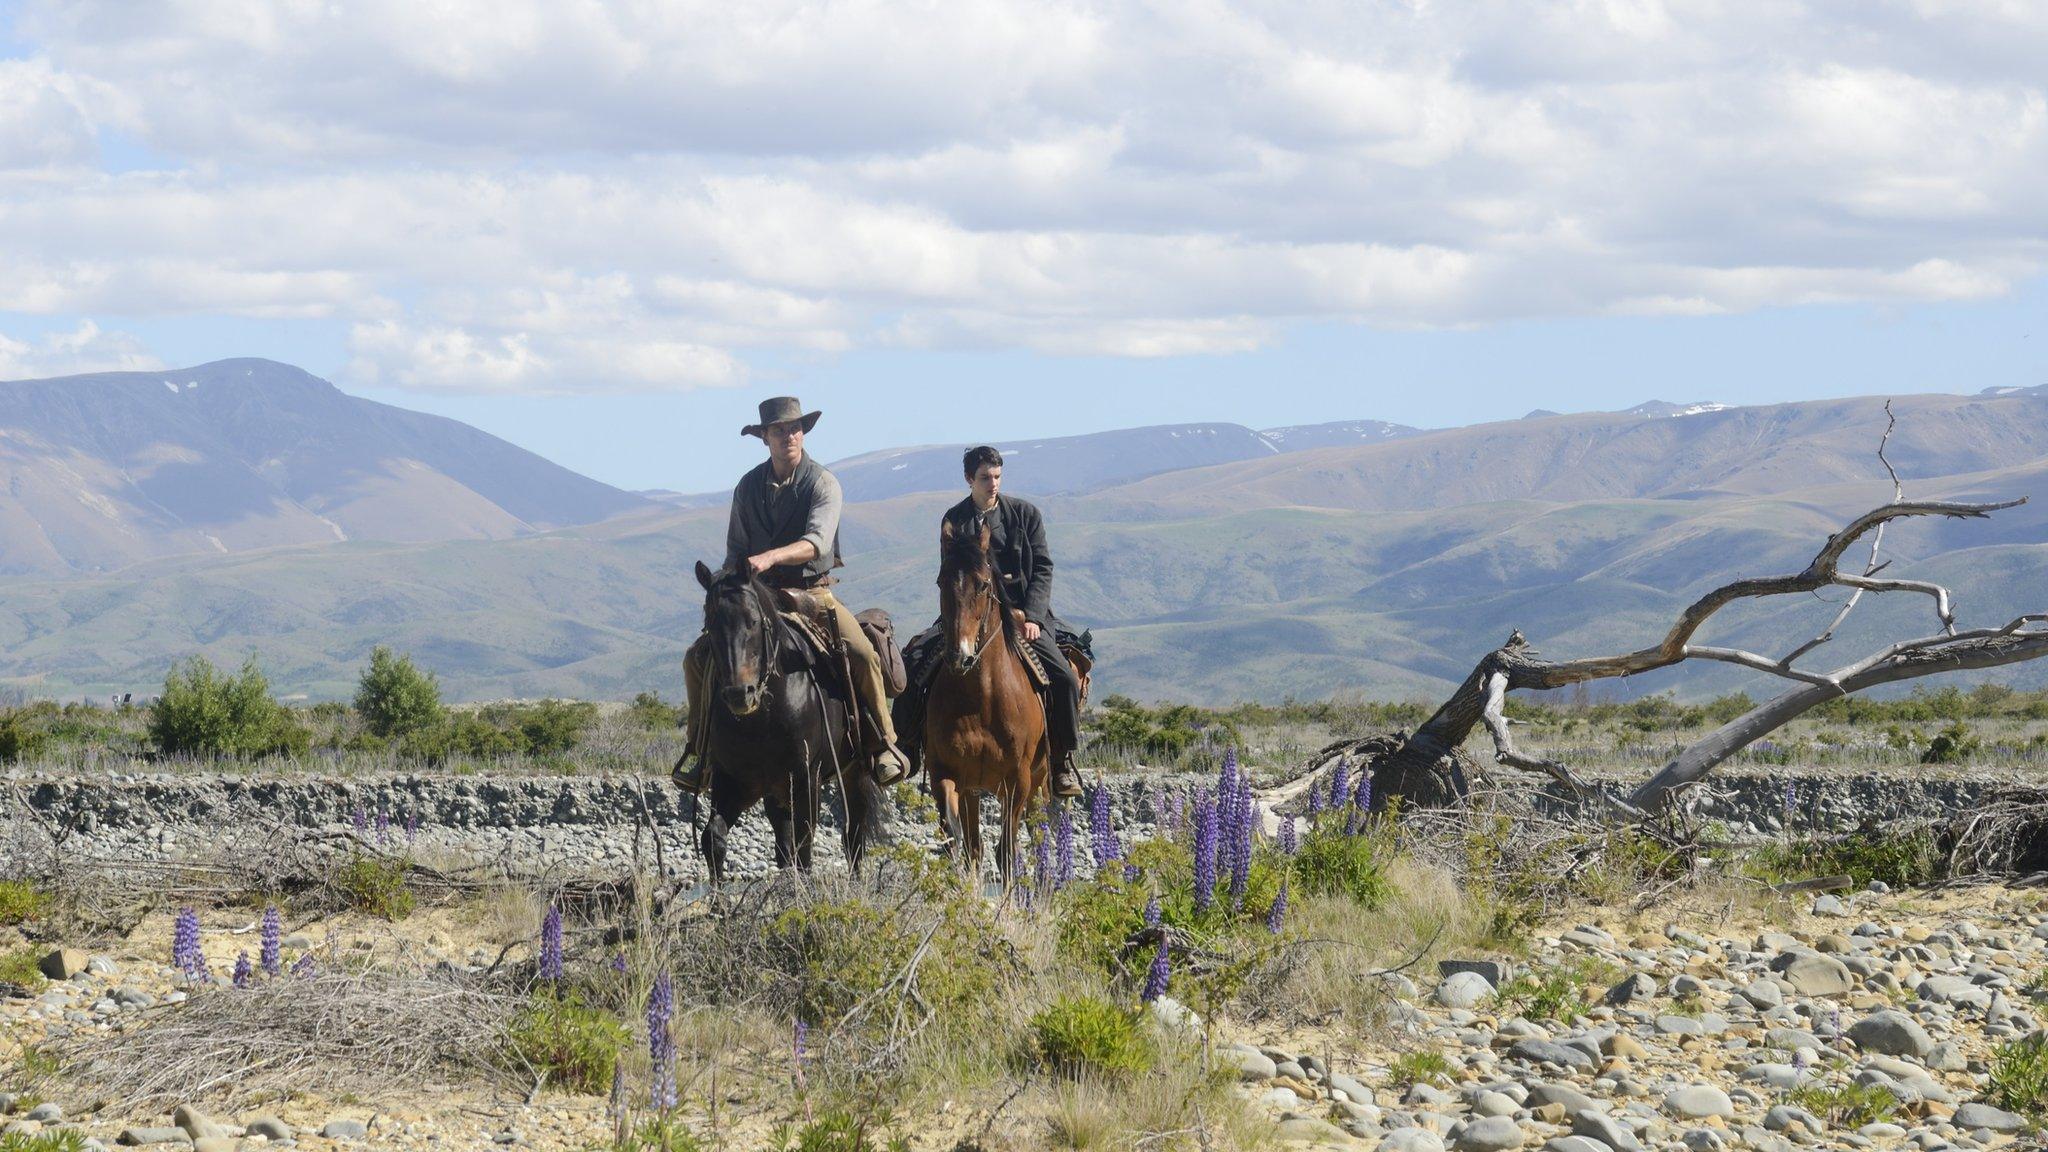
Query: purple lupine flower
pixel 1205 852
pixel 412 828
pixel 1362 799
pixel 1241 830
pixel 799 1051
pixel 1131 872
pixel 359 818
pixel 1315 803
pixel 1340 783
pixel 1063 847
pixel 303 966
pixel 1277 914
pixel 1353 820
pixel 1153 916
pixel 619 963
pixel 1791 801
pixel 551 945
pixel 271 954
pixel 383 827
pixel 185 952
pixel 1102 829
pixel 1801 1058
pixel 1041 858
pixel 1290 837
pixel 661 1043
pixel 1157 976
pixel 243 970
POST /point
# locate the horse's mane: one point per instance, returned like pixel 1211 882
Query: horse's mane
pixel 964 550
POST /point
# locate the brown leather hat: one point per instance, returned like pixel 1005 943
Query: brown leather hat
pixel 778 410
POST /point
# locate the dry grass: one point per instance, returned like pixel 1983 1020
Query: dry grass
pixel 335 1032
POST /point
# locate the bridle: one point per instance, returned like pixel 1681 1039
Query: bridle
pixel 768 623
pixel 982 632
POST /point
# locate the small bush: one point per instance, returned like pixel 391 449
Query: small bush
pixel 1902 858
pixel 206 712
pixel 660 1134
pixel 376 886
pixel 395 698
pixel 1330 863
pixel 21 967
pixel 651 712
pixel 1848 1105
pixel 55 1140
pixel 1412 1068
pixel 838 951
pixel 21 901
pixel 835 1131
pixel 21 738
pixel 1556 994
pixel 1952 745
pixel 547 728
pixel 2019 1077
pixel 1086 1035
pixel 577 1045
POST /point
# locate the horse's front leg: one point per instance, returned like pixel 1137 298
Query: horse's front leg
pixel 1006 843
pixel 946 794
pixel 728 801
pixel 779 819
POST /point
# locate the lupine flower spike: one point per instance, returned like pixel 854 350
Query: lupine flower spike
pixel 185 953
pixel 243 970
pixel 303 967
pixel 1290 837
pixel 359 818
pixel 1205 853
pixel 1363 799
pixel 1063 847
pixel 661 1044
pixel 1340 782
pixel 1277 914
pixel 383 828
pixel 551 945
pixel 1158 975
pixel 1153 917
pixel 271 954
pixel 1102 829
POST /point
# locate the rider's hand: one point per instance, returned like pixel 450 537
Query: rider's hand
pixel 760 563
pixel 1030 632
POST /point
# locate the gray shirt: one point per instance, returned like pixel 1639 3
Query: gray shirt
pixel 768 513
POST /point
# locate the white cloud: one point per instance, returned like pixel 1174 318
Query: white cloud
pixel 84 349
pixel 563 195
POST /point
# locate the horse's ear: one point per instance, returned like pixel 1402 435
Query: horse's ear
pixel 704 576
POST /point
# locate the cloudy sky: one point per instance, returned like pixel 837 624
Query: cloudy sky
pixel 605 230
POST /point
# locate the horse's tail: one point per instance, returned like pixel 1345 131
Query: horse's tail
pixel 863 802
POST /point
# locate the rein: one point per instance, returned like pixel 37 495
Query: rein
pixel 770 621
pixel 981 628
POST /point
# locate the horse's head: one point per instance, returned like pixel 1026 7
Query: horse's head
pixel 968 605
pixel 739 615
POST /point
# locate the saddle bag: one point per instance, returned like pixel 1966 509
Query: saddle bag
pixel 881 632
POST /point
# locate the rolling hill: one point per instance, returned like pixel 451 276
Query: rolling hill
pixel 1381 567
pixel 107 470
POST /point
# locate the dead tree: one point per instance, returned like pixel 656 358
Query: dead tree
pixel 1429 768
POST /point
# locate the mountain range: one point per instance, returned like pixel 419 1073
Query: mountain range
pixel 1212 565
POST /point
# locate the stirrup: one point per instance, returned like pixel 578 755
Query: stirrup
pixel 890 765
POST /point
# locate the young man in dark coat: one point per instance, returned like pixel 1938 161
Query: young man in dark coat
pixel 1024 567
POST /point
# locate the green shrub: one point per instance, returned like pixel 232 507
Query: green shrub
pixel 21 901
pixel 1558 994
pixel 206 712
pixel 835 1131
pixel 545 728
pixel 1902 858
pixel 651 712
pixel 376 886
pixel 21 738
pixel 395 698
pixel 1331 863
pixel 2019 1077
pixel 21 966
pixel 1086 1035
pixel 1847 1105
pixel 54 1140
pixel 1411 1068
pixel 839 950
pixel 660 1134
pixel 576 1045
pixel 1952 745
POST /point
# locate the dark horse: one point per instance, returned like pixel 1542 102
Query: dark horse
pixel 984 728
pixel 776 731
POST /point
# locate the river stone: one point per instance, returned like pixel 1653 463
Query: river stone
pixel 1571 1099
pixel 270 1128
pixel 1782 1117
pixel 1359 1093
pixel 1463 990
pixel 63 963
pixel 1891 1033
pixel 48 1112
pixel 1573 1144
pixel 1552 1052
pixel 1309 1130
pixel 216 1144
pixel 1636 988
pixel 1412 1140
pixel 345 1130
pixel 136 1137
pixel 1250 1065
pixel 1763 994
pixel 1490 1134
pixel 1812 974
pixel 1494 972
pixel 1975 1115
pixel 1597 1125
pixel 1954 991
pixel 1697 1102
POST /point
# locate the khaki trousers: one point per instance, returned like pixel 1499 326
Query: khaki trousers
pixel 867 678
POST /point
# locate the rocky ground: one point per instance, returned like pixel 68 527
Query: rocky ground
pixel 1688 1029
pixel 1703 1033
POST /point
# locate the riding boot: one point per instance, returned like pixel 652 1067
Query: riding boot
pixel 1066 779
pixel 890 764
pixel 694 779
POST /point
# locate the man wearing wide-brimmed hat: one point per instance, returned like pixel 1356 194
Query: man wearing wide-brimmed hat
pixel 785 527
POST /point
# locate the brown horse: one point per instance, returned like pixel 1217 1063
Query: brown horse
pixel 984 729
